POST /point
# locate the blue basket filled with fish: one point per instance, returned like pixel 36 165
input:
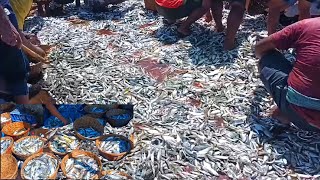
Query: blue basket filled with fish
pixel 96 110
pixel 88 128
pixel 114 147
pixel 119 117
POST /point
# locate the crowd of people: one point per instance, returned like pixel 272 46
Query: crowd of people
pixel 295 87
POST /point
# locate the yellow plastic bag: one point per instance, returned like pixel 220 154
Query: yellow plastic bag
pixel 21 9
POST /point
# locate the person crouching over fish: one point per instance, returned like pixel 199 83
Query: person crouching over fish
pixel 294 88
pixel 173 10
pixel 38 98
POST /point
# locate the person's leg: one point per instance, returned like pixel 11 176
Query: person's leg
pixel 304 9
pixel 216 9
pixel 234 20
pixel 275 8
pixel 274 70
pixel 196 14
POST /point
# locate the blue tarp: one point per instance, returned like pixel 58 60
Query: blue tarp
pixel 69 111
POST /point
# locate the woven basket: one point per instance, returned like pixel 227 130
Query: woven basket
pixel 103 173
pixel 87 122
pixel 6 115
pixel 9 167
pixel 59 153
pixel 24 157
pixel 53 176
pixel 9 150
pixel 150 5
pixel 257 7
pixel 116 122
pixel 9 129
pixel 88 110
pixel 112 156
pixel 76 153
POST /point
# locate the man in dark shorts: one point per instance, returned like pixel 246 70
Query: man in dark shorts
pixel 173 10
pixel 295 88
pixel 234 20
pixel 14 66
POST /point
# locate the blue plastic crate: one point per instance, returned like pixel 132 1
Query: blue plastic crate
pixel 17 116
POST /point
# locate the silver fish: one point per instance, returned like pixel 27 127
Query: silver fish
pixel 5 143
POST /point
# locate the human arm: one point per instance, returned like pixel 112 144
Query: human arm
pixel 8 32
pixel 43 97
pixel 282 40
pixel 31 46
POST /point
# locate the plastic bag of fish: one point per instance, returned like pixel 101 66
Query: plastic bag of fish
pixel 89 132
pixel 82 167
pixel 64 143
pixel 115 145
pixel 28 146
pixel 42 167
pixel 5 143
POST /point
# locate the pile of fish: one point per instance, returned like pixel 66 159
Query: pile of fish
pixel 114 176
pixel 64 143
pixel 82 167
pixel 41 167
pixel 115 145
pixel 28 146
pixel 193 101
pixel 89 132
pixel 5 143
pixel 19 131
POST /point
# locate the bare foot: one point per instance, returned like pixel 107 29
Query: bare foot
pixel 277 114
pixel 229 44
